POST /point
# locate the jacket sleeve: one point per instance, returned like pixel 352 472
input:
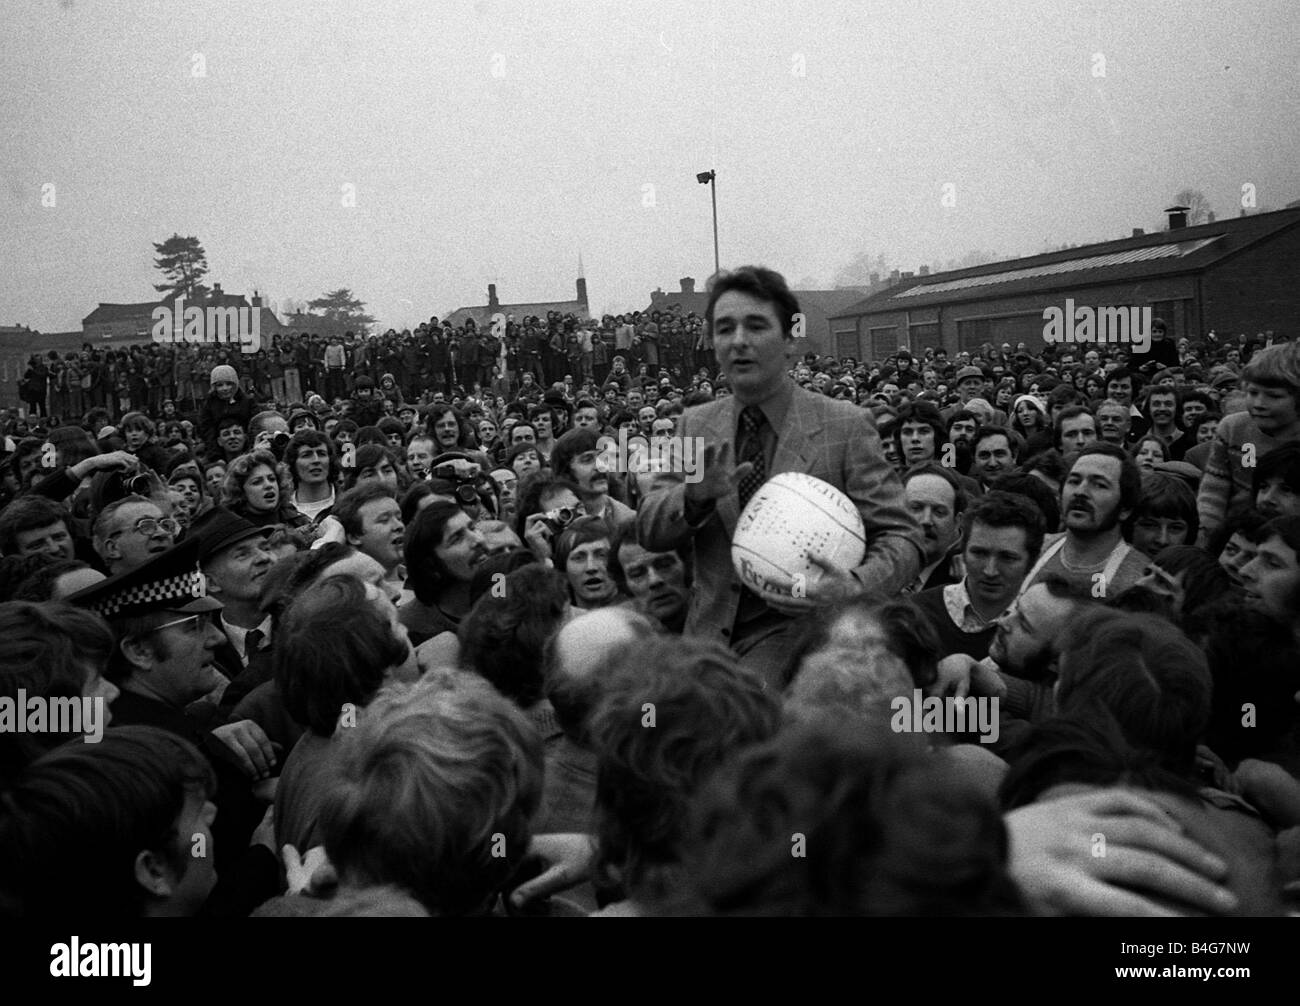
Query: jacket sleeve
pixel 661 518
pixel 894 548
pixel 1215 494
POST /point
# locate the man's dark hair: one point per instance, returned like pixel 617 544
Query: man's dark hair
pixel 98 806
pixel 959 497
pixel 962 416
pixel 333 647
pixel 909 635
pixel 1168 497
pixel 27 513
pixel 922 412
pixel 504 635
pixel 1014 440
pixel 1049 462
pixel 707 708
pixel 311 438
pixel 889 831
pixel 531 490
pixel 348 508
pixel 39 585
pixel 760 283
pixel 1130 476
pixel 569 446
pixel 1279 463
pixel 1070 412
pixel 425 571
pixel 1146 673
pixel 1253 658
pixel 999 509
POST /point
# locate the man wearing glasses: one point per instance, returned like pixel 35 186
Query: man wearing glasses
pixel 131 531
pixel 164 661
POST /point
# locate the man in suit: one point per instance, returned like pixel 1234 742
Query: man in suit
pixel 771 425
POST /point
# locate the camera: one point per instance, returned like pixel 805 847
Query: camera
pixel 462 477
pixel 561 517
pixel 138 484
pixel 280 441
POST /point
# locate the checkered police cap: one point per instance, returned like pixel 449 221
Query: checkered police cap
pixel 171 581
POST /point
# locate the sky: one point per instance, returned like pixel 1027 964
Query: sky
pixel 415 152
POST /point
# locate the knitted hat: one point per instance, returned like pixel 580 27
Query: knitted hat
pixel 981 408
pixel 224 372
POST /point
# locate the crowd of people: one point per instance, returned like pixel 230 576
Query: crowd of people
pixel 385 626
pixel 408 365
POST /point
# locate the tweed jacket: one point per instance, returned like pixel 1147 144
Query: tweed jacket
pixel 827 438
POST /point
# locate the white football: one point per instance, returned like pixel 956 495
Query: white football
pixel 790 515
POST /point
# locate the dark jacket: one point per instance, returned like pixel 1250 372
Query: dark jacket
pixel 215 410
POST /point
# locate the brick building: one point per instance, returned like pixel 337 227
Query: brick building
pixel 1228 276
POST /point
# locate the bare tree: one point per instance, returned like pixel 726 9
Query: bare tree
pixel 858 271
pixel 1198 207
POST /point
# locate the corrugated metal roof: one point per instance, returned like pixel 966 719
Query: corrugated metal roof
pixel 1057 268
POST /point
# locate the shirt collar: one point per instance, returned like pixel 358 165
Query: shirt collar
pixel 775 407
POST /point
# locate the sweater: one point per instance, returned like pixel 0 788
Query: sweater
pixel 951 638
pixel 1230 469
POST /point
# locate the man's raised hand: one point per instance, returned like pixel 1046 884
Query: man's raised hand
pixel 719 477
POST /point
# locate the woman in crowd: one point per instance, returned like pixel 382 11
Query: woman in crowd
pixel 252 489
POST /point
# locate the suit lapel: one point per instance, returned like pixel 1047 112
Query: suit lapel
pixel 796 444
pixel 723 431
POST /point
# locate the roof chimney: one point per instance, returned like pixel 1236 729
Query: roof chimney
pixel 1209 217
pixel 925 270
pixel 492 296
pixel 908 275
pixel 874 279
pixel 1177 217
pixel 216 290
pixel 257 299
pixel 893 277
pixel 582 291
pixel 688 284
pixel 1138 232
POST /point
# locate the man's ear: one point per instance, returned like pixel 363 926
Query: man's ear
pixel 153 874
pixel 353 540
pixel 138 652
pixel 214 584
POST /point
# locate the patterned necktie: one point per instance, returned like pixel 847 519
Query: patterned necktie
pixel 752 422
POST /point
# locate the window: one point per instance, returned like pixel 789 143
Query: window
pixel 884 342
pixel 923 337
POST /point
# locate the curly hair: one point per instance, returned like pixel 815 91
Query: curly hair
pixel 438 784
pixel 504 636
pixel 333 647
pixel 822 821
pixel 238 472
pixel 703 708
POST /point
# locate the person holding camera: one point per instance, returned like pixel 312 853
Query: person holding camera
pixel 547 505
pixel 458 477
